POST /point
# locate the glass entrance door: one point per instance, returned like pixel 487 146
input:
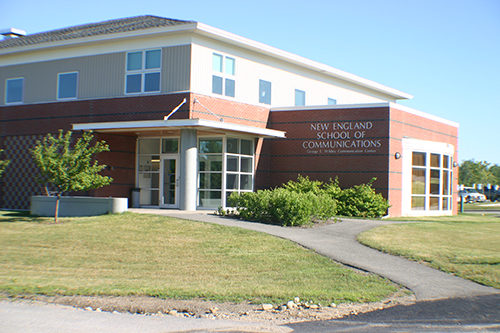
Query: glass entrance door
pixel 169 183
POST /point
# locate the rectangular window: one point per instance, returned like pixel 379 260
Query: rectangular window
pixel 223 78
pixel 143 74
pixel 14 90
pixel 332 101
pixel 264 92
pixel 300 97
pixel 67 85
pixel 210 172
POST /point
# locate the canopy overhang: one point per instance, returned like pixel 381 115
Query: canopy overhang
pixel 177 124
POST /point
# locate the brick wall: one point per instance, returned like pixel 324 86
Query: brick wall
pixel 311 134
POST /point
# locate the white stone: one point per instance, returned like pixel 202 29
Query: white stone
pixel 267 307
pixel 296 300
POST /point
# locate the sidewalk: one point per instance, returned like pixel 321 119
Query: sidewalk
pixel 338 241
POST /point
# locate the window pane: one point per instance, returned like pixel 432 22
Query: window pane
pixel 14 91
pixel 133 83
pixel 417 203
pixel 445 204
pixel 217 63
pixel 149 180
pixel 246 147
pixel 434 203
pixel 230 87
pixel 435 181
pixel 230 66
pixel 246 164
pixel 264 92
pixel 418 159
pixel 210 146
pixel 445 182
pixel 246 182
pixel 435 158
pixel 152 82
pixel 67 85
pixel 149 146
pixel 153 59
pixel 300 97
pixel 134 61
pixel 332 101
pixel 210 199
pixel 210 162
pixel 446 161
pixel 149 197
pixel 211 181
pixel 170 146
pixel 232 163
pixel 217 85
pixel 232 181
pixel 232 146
pixel 149 163
pixel 418 181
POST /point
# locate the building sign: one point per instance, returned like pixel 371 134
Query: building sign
pixel 341 138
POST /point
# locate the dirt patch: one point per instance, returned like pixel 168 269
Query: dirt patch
pixel 278 314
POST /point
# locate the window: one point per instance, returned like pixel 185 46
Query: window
pixel 143 72
pixel 223 78
pixel 239 166
pixel 67 85
pixel 14 90
pixel 431 181
pixel 332 101
pixel 264 92
pixel 210 172
pixel 300 97
pixel 149 171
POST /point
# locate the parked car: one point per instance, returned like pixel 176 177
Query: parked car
pixel 492 194
pixel 471 195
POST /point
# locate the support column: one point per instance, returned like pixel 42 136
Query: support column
pixel 188 169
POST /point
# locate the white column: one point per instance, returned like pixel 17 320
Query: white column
pixel 188 169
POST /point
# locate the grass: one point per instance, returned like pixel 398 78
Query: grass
pixel 467 245
pixel 134 254
pixel 461 217
pixel 487 205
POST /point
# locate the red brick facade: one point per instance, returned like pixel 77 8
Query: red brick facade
pixel 354 143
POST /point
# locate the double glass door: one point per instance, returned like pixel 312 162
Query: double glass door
pixel 169 183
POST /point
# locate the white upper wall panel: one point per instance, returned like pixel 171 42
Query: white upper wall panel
pixel 284 77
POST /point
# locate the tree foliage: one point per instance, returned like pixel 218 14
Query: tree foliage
pixel 478 172
pixel 69 167
pixel 3 163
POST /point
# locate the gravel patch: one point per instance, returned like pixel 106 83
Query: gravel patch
pixel 292 312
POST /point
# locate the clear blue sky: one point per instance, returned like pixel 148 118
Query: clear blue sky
pixel 446 53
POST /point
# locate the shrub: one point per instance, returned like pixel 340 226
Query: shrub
pixel 303 201
pixel 283 206
pixel 362 201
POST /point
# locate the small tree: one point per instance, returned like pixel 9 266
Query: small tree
pixel 69 168
pixel 3 163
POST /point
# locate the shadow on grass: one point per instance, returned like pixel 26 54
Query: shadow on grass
pixel 12 216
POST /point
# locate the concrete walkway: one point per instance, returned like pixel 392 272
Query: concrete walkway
pixel 338 241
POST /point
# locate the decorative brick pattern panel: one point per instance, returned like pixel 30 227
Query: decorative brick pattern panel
pixel 19 177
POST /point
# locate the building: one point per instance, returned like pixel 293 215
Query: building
pixel 192 113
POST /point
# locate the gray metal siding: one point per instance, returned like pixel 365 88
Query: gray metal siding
pixel 99 76
pixel 176 68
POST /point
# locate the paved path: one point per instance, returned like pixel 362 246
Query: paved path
pixel 338 241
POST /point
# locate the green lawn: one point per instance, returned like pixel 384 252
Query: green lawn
pixel 134 254
pixel 467 246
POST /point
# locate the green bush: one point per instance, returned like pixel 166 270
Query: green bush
pixel 303 201
pixel 283 206
pixel 362 201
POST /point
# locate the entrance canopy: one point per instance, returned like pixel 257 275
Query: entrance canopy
pixel 177 124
